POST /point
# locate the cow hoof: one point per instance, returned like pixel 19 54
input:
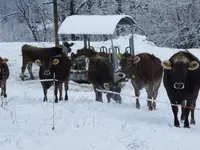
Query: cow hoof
pixel 120 102
pixel 150 108
pixel 176 123
pixel 5 95
pixel 32 78
pixel 56 101
pixel 99 101
pixel 192 121
pixel 138 106
pixel 1 94
pixel 186 126
pixel 61 98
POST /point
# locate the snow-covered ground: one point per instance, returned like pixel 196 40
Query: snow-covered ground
pixel 83 124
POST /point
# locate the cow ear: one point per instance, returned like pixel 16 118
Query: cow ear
pixel 106 86
pixel 55 61
pixel 136 59
pixel 5 60
pixel 193 65
pixel 167 64
pixel 38 62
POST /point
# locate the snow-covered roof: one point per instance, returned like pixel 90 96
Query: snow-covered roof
pixel 93 24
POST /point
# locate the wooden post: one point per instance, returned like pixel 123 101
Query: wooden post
pixel 55 22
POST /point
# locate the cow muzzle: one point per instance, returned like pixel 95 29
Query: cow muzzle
pixel 47 72
pixel 179 85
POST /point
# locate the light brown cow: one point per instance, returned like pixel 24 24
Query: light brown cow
pixel 145 71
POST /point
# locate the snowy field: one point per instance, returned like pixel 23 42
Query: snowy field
pixel 83 124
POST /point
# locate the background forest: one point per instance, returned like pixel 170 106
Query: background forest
pixel 167 23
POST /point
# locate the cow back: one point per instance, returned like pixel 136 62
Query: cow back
pixel 32 53
pixel 100 71
pixel 148 68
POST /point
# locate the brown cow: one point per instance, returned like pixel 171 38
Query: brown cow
pixel 31 53
pixel 101 75
pixel 58 65
pixel 145 71
pixel 4 75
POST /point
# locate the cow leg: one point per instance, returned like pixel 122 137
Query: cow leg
pixel 66 89
pixel 4 90
pixel 60 91
pixel 183 111
pixel 25 62
pixel 149 90
pixel 137 93
pixel 44 91
pixel 191 104
pixel 192 120
pixel 187 111
pixel 98 95
pixel 108 96
pixel 155 92
pixel 30 64
pixel 56 92
pixel 175 112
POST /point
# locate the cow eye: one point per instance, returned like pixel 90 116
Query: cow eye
pixel 55 62
pixel 38 62
pixel 129 63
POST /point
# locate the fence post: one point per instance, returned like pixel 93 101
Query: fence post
pixel 54 85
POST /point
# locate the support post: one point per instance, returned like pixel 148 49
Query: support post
pixel 114 57
pixel 85 41
pixel 55 22
pixel 131 42
pixel 54 85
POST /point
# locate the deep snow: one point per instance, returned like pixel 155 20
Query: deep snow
pixel 83 124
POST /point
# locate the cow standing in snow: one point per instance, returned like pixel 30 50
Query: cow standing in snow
pixel 145 71
pixel 181 81
pixel 101 75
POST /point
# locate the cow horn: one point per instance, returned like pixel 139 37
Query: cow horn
pixel 136 59
pixel 106 86
pixel 5 60
pixel 193 65
pixel 167 64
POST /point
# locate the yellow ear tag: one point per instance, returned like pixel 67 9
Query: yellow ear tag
pixel 133 76
pixel 118 56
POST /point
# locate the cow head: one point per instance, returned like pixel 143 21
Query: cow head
pixel 67 47
pixel 179 69
pixel 116 86
pixel 2 62
pixel 46 65
pixel 128 63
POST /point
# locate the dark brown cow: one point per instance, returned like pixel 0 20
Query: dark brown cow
pixel 4 75
pixel 31 53
pixel 181 81
pixel 101 75
pixel 60 65
pixel 145 71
